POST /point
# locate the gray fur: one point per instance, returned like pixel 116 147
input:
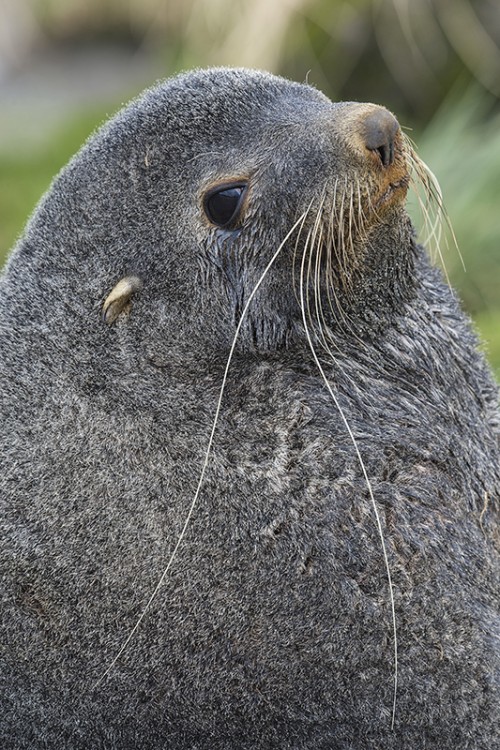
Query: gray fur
pixel 273 628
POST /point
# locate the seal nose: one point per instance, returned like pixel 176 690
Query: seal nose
pixel 379 131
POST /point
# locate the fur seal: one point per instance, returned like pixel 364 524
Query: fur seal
pixel 250 452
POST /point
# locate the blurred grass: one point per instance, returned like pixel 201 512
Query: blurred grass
pixel 461 144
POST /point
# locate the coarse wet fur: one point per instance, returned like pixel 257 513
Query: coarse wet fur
pixel 335 583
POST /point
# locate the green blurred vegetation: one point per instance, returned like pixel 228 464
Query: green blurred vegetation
pixel 435 63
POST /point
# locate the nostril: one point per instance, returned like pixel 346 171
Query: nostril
pixel 379 130
pixel 386 153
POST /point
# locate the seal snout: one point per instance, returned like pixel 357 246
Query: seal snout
pixel 374 137
pixel 379 130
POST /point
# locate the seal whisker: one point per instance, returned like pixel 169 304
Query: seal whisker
pixel 318 251
pixel 352 220
pixel 433 214
pixel 294 262
pixel 361 214
pixel 311 240
pixel 329 247
pixel 422 175
pixel 334 303
pixel 340 238
pixel 313 277
pixel 419 180
pixel 326 337
pixel 310 251
pixel 345 229
pixel 295 284
pixel 194 501
pixel 307 292
pixel 330 239
pixel 367 481
pixel 320 248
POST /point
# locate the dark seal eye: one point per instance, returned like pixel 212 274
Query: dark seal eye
pixel 223 204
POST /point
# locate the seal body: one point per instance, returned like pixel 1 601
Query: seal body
pixel 273 627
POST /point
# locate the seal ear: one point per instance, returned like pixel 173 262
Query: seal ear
pixel 119 297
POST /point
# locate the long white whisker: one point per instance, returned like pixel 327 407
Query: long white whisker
pixel 432 190
pixel 368 484
pixel 189 514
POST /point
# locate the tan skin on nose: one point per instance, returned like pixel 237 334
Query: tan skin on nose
pixel 374 135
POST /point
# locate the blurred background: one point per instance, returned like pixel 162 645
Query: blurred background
pixel 66 65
